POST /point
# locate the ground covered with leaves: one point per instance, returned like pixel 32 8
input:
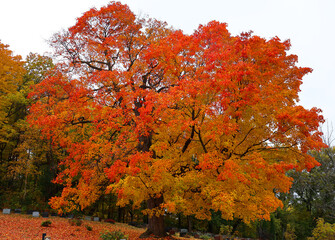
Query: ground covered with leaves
pixel 19 226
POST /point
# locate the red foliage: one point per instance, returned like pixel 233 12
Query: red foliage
pixel 110 221
pixel 193 123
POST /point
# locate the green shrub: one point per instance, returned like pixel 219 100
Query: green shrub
pixel 79 222
pixel 75 222
pixel 116 235
pixel 88 227
pixel 205 237
pixel 226 229
pixel 46 223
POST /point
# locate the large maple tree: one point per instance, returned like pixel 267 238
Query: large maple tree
pixel 187 123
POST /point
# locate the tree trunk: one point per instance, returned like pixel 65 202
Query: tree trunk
pixel 235 225
pixel 156 223
pixel 179 220
pixel 119 214
pixel 131 213
pixel 189 223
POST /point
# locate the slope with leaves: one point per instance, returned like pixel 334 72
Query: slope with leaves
pixel 26 227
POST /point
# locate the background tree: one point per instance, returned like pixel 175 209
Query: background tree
pixel 188 124
pixel 22 167
pixel 11 78
pixel 35 158
pixel 11 73
pixel 323 231
pixel 310 198
pixel 312 194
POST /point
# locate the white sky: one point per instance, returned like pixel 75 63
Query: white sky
pixel 25 25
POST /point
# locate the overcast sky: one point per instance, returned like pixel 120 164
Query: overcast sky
pixel 25 25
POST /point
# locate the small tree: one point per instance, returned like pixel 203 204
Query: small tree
pixel 290 233
pixel 323 231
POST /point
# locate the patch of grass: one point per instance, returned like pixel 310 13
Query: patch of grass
pixel 116 235
pixel 75 222
pixel 46 223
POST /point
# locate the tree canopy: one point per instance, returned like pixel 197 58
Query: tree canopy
pixel 11 74
pixel 187 123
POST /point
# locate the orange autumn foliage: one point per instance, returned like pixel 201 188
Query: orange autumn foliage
pixel 198 122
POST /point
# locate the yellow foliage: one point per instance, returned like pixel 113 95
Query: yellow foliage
pixel 11 73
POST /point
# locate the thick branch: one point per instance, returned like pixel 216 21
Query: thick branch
pixel 188 141
pixel 202 142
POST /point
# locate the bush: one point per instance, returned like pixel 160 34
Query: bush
pixel 112 221
pixel 75 222
pixel 323 231
pixel 88 227
pixel 116 235
pixel 205 237
pixel 226 229
pixel 46 223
